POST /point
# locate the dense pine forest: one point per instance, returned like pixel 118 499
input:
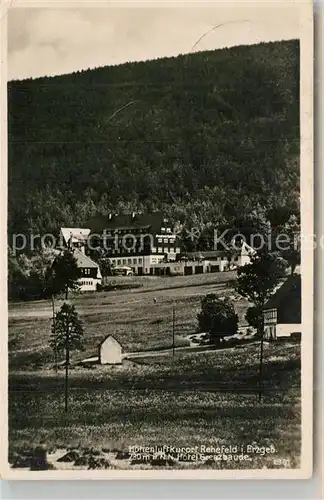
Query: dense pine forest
pixel 209 137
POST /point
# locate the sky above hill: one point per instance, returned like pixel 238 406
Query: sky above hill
pixel 47 42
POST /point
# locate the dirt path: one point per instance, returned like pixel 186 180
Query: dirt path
pixel 167 352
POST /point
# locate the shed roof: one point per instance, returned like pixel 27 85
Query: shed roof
pixel 290 287
pixel 111 338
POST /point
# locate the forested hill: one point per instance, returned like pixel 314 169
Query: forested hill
pixel 209 135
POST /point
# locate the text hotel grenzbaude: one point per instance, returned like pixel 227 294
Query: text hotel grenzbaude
pixel 200 453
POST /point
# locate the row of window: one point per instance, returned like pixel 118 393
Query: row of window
pixel 153 249
pixel 166 250
pixel 271 315
pixel 138 261
pixel 129 230
pixel 86 282
pixel 166 240
pixel 131 261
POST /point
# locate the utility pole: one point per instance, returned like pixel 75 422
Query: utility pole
pixel 54 333
pixel 67 361
pixel 173 328
pixel 261 363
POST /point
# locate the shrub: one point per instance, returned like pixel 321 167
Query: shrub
pixel 217 317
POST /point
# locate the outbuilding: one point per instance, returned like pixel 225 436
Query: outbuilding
pixel 110 351
pixel 282 312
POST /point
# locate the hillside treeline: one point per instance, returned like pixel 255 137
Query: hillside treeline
pixel 208 137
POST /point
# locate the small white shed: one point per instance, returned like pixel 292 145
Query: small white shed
pixel 110 351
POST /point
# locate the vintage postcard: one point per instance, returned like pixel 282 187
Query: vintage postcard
pixel 158 298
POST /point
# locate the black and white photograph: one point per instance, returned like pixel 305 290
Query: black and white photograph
pixel 159 240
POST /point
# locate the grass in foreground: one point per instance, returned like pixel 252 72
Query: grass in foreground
pixel 205 399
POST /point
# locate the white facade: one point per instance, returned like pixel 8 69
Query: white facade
pixel 90 272
pixel 88 284
pixel 74 237
pixel 274 330
pixel 141 264
pixel 110 351
pixel 244 256
pixel 219 262
pixel 151 260
pixel 285 330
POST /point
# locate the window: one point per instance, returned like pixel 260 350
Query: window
pixel 166 240
pixel 271 315
pixel 159 240
pixel 134 261
pixel 129 261
pixel 118 262
pixel 160 250
pixel 124 261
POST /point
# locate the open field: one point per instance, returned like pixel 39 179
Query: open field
pixel 132 316
pixel 190 400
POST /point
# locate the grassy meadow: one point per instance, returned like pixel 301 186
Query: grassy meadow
pixel 208 398
pixel 188 400
pixel 131 316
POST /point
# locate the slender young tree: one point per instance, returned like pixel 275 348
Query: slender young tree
pixel 67 336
